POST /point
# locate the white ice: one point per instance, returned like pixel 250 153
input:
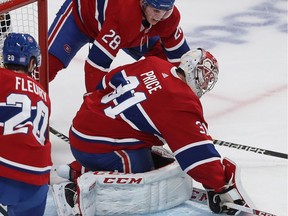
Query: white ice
pixel 247 106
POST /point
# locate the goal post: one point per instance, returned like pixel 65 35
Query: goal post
pixel 27 16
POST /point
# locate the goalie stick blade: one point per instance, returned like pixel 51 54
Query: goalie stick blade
pixel 248 210
pixel 200 196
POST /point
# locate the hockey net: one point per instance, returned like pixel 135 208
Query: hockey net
pixel 26 16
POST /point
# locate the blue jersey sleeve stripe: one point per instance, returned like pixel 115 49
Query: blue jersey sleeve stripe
pixel 100 56
pixel 178 46
pixel 190 156
pixel 177 51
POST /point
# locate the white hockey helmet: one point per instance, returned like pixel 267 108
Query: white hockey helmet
pixel 201 70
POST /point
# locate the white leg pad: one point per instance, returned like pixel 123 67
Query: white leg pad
pixel 108 193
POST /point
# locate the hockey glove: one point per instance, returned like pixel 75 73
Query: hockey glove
pixel 216 200
pixel 71 171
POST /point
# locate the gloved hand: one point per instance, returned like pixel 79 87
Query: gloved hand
pixel 216 200
pixel 71 171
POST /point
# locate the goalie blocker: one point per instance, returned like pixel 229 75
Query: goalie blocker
pixel 108 193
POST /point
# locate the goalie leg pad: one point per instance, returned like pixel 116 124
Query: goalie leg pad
pixel 104 193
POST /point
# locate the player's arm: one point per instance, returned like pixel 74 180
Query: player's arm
pixel 210 171
pixel 101 54
pixel 195 152
pixel 173 39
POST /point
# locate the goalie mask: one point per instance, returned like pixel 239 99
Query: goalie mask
pixel 201 70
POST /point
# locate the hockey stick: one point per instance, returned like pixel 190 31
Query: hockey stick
pixel 3 211
pixel 250 149
pixel 200 196
pixel 59 134
pixel 216 142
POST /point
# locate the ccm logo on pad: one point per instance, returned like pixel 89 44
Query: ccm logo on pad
pixel 122 180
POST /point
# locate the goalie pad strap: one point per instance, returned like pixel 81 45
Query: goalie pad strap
pixel 106 193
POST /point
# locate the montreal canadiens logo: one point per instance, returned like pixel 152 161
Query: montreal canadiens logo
pixel 67 48
pixel 30 39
